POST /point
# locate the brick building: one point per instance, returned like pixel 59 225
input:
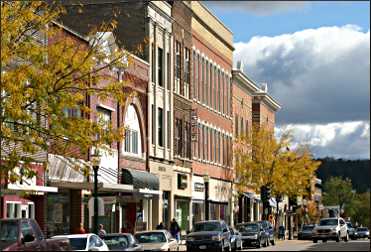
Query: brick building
pixel 212 132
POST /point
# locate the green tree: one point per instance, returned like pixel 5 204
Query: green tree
pixel 359 209
pixel 262 160
pixel 338 191
pixel 43 73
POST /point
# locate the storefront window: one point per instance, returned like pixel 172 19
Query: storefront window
pixel 197 212
pixel 58 221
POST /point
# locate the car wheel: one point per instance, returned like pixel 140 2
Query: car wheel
pixel 314 241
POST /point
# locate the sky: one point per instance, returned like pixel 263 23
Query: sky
pixel 315 57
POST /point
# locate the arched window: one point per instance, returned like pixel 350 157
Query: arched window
pixel 133 137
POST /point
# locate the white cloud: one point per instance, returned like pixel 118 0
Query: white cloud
pixel 340 140
pixel 260 8
pixel 318 75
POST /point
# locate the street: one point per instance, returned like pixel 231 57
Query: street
pixel 298 245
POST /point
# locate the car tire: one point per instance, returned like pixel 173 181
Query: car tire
pixel 315 241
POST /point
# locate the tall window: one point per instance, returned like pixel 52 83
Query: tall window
pixel 195 76
pixel 187 142
pixel 236 125
pixel 178 137
pixel 160 62
pixel 132 141
pixel 177 67
pixel 211 87
pixel 207 83
pixel 103 118
pixel 168 71
pixel 153 63
pixel 203 82
pixel 160 127
pixel 218 99
pixel 187 71
pixel 242 127
pixel 153 124
pixel 200 138
pixel 168 129
pixel 247 128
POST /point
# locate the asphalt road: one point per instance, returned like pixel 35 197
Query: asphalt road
pixel 296 245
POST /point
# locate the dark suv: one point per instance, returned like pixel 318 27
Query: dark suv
pixel 209 235
pixel 269 230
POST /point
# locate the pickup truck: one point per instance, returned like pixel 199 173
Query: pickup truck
pixel 26 235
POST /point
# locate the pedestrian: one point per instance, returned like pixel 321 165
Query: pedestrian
pixel 175 230
pixel 101 231
pixel 160 226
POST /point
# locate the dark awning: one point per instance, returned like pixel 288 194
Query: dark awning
pixel 140 179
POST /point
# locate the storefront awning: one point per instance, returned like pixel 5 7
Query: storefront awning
pixel 249 195
pixel 272 202
pixel 32 188
pixel 141 180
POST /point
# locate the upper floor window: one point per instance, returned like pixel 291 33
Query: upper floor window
pixel 132 141
pixel 187 71
pixel 177 67
pixel 160 127
pixel 160 62
pixel 153 63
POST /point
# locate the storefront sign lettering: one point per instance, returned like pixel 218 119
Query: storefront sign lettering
pixel 199 187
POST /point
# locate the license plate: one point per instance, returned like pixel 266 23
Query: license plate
pixel 203 247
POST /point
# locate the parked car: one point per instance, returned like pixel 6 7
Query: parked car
pixel 209 235
pixel 85 242
pixel 306 232
pixel 362 232
pixel 351 231
pixel 330 229
pixel 122 242
pixel 253 234
pixel 156 240
pixel 269 230
pixel 26 235
pixel 236 241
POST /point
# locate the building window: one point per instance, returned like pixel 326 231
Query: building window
pixel 72 112
pixel 247 128
pixel 160 127
pixel 160 62
pixel 200 135
pixel 199 77
pixel 236 125
pixel 242 127
pixel 153 124
pixel 207 83
pixel 132 141
pixel 168 71
pixel 178 137
pixel 177 66
pixel 103 119
pixel 195 76
pixel 153 65
pixel 168 129
pixel 187 142
pixel 187 71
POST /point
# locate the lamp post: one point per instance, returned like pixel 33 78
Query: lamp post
pixel 206 180
pixel 95 163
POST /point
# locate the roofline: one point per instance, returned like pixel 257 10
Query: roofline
pixel 271 101
pixel 243 76
pixel 85 38
pixel 217 19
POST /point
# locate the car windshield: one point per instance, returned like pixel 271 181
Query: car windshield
pixel 117 242
pixel 328 222
pixel 8 233
pixel 207 226
pixel 248 228
pixel 362 229
pixel 151 237
pixel 78 243
pixel 308 227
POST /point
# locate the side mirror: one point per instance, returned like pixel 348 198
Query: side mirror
pixel 28 238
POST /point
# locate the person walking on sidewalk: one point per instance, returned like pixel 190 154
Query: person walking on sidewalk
pixel 101 233
pixel 175 230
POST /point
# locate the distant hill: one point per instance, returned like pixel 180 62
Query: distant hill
pixel 357 170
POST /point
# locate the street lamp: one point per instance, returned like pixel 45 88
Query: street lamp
pixel 95 160
pixel 206 180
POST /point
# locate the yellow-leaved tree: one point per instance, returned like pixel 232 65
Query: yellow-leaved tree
pixel 46 71
pixel 265 162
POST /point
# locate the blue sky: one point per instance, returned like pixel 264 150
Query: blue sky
pixel 246 24
pixel 315 57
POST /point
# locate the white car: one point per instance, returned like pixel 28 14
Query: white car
pixel 156 240
pixel 85 242
pixel 330 229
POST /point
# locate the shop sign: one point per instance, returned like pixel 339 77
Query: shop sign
pixel 194 126
pixel 199 187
